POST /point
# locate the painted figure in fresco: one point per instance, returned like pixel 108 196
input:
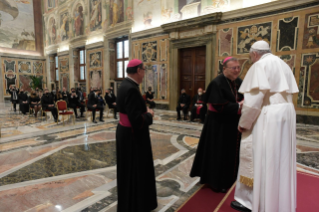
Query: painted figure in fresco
pixel 64 27
pixel 148 19
pixel 78 21
pixel 116 9
pixel 96 16
pixel 52 32
pixel 167 14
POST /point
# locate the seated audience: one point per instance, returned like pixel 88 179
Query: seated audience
pixel 183 104
pixel 150 98
pixel 94 104
pixel 199 106
pixel 14 96
pixel 110 100
pixel 74 102
pixel 57 95
pixel 65 95
pixel 48 104
pixel 23 102
pixel 35 102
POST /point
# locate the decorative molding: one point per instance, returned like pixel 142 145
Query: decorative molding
pixel 192 42
pixel 94 45
pixel 197 22
pixel 156 31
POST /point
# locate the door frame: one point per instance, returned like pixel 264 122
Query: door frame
pixel 174 83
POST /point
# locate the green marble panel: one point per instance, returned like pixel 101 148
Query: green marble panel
pixel 66 161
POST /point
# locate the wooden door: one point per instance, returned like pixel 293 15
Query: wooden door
pixel 192 69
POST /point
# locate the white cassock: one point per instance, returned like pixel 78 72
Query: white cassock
pixel 269 113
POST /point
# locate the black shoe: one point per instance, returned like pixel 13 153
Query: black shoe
pixel 179 118
pixel 216 190
pixel 94 121
pixel 185 118
pixel 192 120
pixel 115 117
pixel 239 207
pixel 101 120
pixel 223 190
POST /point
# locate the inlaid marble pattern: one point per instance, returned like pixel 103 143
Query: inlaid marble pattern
pixel 72 168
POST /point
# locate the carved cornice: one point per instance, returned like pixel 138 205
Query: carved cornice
pixel 197 22
pixel 94 45
pixel 192 42
pixel 119 30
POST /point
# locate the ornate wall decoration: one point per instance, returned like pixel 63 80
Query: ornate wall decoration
pixel 24 67
pixel 25 82
pixel 9 65
pixel 52 31
pixel 64 64
pixel 163 82
pixel 149 51
pixel 248 35
pixel 290 60
pixel 225 42
pixel 163 50
pixel 136 50
pixel 95 15
pixel 65 81
pixel 245 65
pixel 287 34
pixel 151 78
pixel 309 81
pixel 38 67
pixel 95 78
pixel 311 31
pixel 64 26
pixel 95 59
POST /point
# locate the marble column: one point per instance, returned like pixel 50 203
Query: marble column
pixel 48 63
pixel 1 80
pixel 71 68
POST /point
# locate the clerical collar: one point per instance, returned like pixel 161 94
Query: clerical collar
pixel 131 79
pixel 227 78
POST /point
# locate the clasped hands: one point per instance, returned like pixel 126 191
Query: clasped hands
pixel 150 111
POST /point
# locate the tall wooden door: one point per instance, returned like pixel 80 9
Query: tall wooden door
pixel 192 69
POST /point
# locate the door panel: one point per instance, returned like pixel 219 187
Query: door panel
pixel 192 69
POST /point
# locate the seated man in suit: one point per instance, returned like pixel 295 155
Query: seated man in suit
pixel 110 100
pixel 48 104
pixel 93 104
pixel 14 96
pixel 74 102
pixel 150 98
pixel 183 104
pixel 199 106
pixel 23 102
pixel 65 95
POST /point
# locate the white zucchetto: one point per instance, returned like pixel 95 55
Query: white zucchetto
pixel 260 45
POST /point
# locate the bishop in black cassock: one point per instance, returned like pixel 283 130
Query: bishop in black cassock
pixel 135 169
pixel 217 157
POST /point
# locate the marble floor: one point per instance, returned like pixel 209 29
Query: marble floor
pixel 49 167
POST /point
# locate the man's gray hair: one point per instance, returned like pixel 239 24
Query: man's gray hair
pixel 260 52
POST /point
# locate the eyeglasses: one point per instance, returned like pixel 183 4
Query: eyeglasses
pixel 234 68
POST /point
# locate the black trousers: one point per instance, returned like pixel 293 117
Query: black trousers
pixel 184 109
pixel 202 113
pixel 101 108
pixel 14 102
pixel 78 104
pixel 54 111
pixel 151 103
pixel 24 107
pixel 114 108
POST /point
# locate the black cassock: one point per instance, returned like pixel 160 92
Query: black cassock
pixel 217 157
pixel 135 169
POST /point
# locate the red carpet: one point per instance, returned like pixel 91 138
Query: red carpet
pixel 205 200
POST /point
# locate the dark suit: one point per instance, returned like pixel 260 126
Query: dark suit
pixel 14 97
pixel 196 100
pixel 74 102
pixel 24 107
pixel 93 100
pixel 110 99
pixel 65 96
pixel 183 99
pixel 47 100
pixel 150 96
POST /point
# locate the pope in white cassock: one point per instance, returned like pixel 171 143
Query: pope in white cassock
pixel 266 179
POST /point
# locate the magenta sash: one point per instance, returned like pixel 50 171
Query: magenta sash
pixel 124 121
pixel 211 108
pixel 199 107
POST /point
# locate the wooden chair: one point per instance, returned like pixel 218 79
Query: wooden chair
pixel 88 110
pixel 62 108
